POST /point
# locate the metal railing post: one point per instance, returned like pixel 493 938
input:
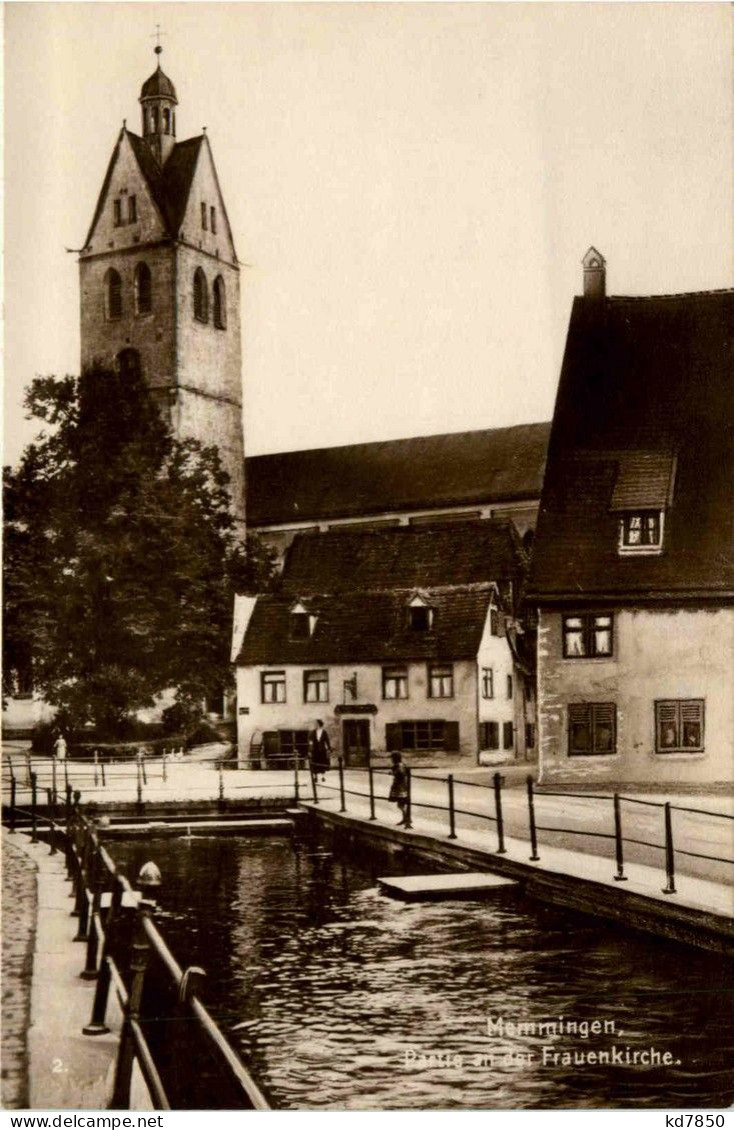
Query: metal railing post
pixel 139 779
pixel 89 972
pixel 34 824
pixel 28 766
pixel 371 774
pixel 53 779
pixel 342 802
pixel 313 786
pixel 66 773
pixel 501 849
pixel 126 1051
pixel 97 1026
pixel 96 768
pixel 164 766
pixel 220 767
pixel 104 778
pixel 296 788
pixel 531 814
pixel 69 837
pixel 452 815
pixel 669 888
pixel 52 821
pixel 408 799
pixel 620 877
pixel 13 813
pixel 87 865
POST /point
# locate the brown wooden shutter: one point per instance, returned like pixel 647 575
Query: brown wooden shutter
pixel 393 736
pixel 508 735
pixel 451 737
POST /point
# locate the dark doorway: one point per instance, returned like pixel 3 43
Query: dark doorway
pixel 356 741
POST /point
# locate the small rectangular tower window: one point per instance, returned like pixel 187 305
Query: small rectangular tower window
pixel 117 211
pixel 203 216
pixel 213 219
pixel 132 209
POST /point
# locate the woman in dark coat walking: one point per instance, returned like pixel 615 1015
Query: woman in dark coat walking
pixel 320 750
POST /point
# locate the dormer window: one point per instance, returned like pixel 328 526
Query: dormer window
pixel 643 492
pixel 641 531
pixel 302 623
pixel 420 615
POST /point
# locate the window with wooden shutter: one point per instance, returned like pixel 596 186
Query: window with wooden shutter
pixel 489 735
pixel 508 735
pixel 679 725
pixel 451 737
pixel 592 728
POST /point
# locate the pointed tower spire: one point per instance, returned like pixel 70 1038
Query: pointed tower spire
pixel 158 101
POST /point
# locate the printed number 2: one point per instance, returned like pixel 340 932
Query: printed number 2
pixel 57 1067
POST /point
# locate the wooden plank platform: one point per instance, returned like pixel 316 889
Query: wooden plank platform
pixel 456 885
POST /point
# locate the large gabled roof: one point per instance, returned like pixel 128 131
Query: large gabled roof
pixel 169 186
pixel 368 627
pixel 463 468
pixel 410 557
pixel 645 408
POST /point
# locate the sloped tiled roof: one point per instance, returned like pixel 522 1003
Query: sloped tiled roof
pixel 463 468
pixel 645 378
pixel 368 627
pixel 411 557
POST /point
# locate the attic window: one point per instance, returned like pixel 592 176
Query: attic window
pixel 420 615
pixel 641 531
pixel 302 623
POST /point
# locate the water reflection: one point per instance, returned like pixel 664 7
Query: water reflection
pixel 339 997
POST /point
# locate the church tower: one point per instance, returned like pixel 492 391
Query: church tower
pixel 160 282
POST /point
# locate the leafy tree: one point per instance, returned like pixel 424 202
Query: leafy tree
pixel 122 557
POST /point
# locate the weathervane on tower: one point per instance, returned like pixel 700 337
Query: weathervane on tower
pixel 158 46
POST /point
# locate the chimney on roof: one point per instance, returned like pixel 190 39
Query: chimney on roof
pixel 595 274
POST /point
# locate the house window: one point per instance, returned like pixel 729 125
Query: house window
pixel 201 297
pixel 508 735
pixel 592 728
pixel 132 209
pixel 679 725
pixel 293 743
pixel 420 617
pixel 117 211
pixel 315 686
pixel 299 626
pixel 394 682
pixel 487 682
pixel 588 635
pixel 272 686
pixel 489 735
pixel 219 303
pixel 113 295
pixel 203 216
pixel 641 531
pixel 213 219
pixel 143 289
pixel 509 686
pixel 440 680
pixel 431 734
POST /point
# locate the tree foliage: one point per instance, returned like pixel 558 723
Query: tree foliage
pixel 121 555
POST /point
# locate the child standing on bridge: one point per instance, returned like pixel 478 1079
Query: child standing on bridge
pixel 399 787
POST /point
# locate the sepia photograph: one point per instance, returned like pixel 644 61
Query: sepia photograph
pixel 368 559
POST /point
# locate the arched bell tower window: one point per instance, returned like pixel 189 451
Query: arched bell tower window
pixel 113 294
pixel 128 363
pixel 166 120
pixel 201 297
pixel 143 289
pixel 220 303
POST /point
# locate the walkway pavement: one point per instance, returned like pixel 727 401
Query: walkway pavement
pixel 19 924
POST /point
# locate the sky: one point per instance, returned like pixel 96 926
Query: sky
pixel 411 188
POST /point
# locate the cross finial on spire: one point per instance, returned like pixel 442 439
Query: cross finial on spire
pixel 157 36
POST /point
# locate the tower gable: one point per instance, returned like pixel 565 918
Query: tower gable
pixel 205 200
pixel 127 211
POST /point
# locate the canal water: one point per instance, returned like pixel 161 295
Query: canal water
pixel 340 998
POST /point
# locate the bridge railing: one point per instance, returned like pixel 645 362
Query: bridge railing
pixel 128 958
pixel 609 812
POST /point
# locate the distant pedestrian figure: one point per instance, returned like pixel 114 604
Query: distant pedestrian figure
pixel 399 786
pixel 320 750
pixel 60 748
